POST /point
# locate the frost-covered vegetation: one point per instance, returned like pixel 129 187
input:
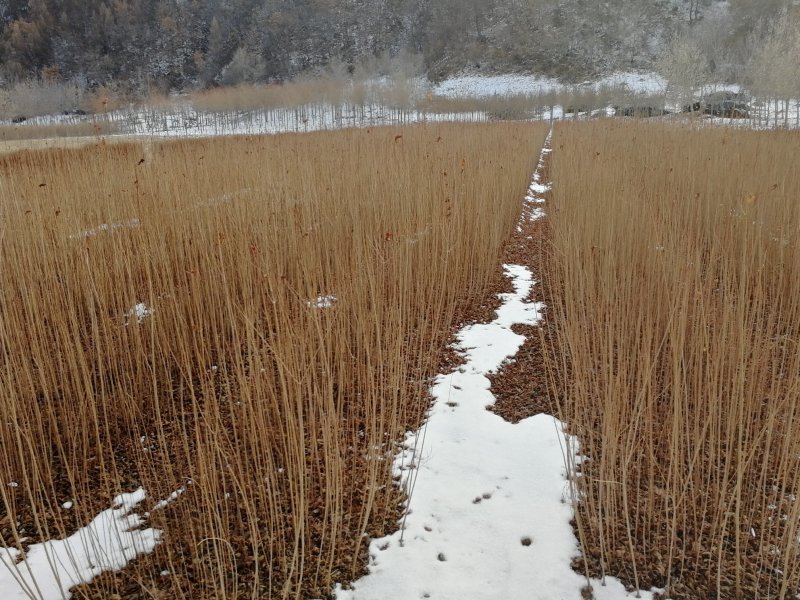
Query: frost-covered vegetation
pixel 145 47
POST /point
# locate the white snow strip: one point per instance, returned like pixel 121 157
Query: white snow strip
pixel 536 213
pixel 490 511
pixel 530 210
pixel 482 86
pixel 181 119
pixel 490 505
pixel 185 121
pixel 50 569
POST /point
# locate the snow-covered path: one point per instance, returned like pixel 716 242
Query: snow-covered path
pixel 490 506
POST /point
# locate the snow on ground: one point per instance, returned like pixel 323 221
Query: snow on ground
pixel 182 120
pixel 186 122
pixel 50 569
pixel 482 86
pixel 139 312
pixel 764 115
pixel 490 503
pixel 537 186
pixel 116 536
pixel 322 302
pixel 637 83
pixel 490 510
pixel 531 206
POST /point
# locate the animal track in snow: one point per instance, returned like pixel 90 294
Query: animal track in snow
pixel 482 497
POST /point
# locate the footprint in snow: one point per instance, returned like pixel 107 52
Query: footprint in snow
pixel 481 498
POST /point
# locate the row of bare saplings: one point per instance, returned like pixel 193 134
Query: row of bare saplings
pixel 676 266
pixel 255 320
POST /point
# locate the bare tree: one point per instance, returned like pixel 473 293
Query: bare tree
pixel 773 72
pixel 686 69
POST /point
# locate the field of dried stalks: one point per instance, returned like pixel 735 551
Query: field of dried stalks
pixel 675 280
pixel 243 326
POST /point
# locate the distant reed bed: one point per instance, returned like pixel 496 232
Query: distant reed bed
pixel 54 130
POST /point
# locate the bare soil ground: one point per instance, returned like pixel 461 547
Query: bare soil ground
pixel 521 387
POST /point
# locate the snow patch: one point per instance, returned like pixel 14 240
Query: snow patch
pixel 139 312
pixel 536 213
pixel 535 196
pixel 540 188
pixel 636 83
pixel 161 504
pixel 322 302
pixel 48 570
pixel 483 86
